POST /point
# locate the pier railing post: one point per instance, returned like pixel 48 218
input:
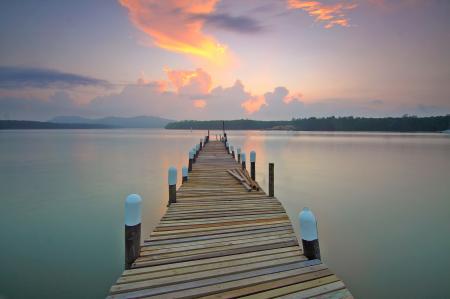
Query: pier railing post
pixel 201 143
pixel 172 179
pixel 133 207
pixel 308 232
pixel 194 152
pixel 184 173
pixel 191 160
pixel 232 151
pixel 271 179
pixel 252 164
pixel 239 154
pixel 243 161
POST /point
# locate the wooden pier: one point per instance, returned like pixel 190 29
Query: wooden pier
pixel 221 241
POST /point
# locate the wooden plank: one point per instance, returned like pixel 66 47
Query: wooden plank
pixel 295 288
pixel 270 285
pixel 215 280
pixel 147 283
pixel 337 285
pixel 232 257
pixel 164 272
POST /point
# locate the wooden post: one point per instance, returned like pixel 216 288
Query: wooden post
pixel 195 155
pixel 191 160
pixel 252 164
pixel 271 179
pixel 227 147
pixel 197 149
pixel 172 179
pixel 243 161
pixel 184 173
pixel 201 143
pixel 232 151
pixel 239 154
pixel 308 232
pixel 133 207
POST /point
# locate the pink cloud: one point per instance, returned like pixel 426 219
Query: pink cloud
pixel 329 14
pixel 253 103
pixel 190 82
pixel 171 26
pixel 296 97
pixel 199 104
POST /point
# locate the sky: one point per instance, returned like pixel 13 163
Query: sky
pixel 229 59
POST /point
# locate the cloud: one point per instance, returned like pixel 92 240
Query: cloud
pixel 12 77
pixel 199 103
pixel 171 26
pixel 254 103
pixel 193 83
pixel 329 14
pixel 59 103
pixel 239 24
pixel 280 104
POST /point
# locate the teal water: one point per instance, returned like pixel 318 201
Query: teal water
pixel 382 201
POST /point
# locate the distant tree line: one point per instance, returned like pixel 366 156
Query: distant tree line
pixel 25 124
pixel 386 124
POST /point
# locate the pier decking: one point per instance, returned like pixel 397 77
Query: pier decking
pixel 221 241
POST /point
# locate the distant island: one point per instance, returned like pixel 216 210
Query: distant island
pixel 350 124
pixel 28 124
pixel 77 122
pixel 116 122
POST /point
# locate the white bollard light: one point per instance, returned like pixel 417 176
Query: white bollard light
pixel 309 234
pixel 184 172
pixel 133 211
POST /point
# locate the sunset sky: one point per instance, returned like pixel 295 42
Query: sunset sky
pixel 211 59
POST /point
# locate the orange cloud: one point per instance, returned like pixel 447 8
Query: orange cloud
pixel 253 104
pixel 190 82
pixel 199 104
pixel 292 98
pixel 331 15
pixel 160 85
pixel 172 27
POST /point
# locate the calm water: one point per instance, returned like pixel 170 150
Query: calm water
pixel 382 200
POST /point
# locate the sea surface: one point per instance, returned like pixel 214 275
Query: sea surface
pixel 382 202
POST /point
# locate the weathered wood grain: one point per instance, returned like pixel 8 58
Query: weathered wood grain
pixel 221 241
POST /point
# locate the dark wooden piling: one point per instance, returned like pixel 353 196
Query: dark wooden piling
pixel 271 180
pixel 252 164
pixel 172 179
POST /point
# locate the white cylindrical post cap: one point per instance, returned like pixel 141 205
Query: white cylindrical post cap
pixel 172 177
pixel 308 225
pixel 243 157
pixel 184 171
pixel 133 206
pixel 191 154
pixel 238 150
pixel 252 156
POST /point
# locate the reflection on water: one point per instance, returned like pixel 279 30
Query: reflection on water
pixel 382 201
